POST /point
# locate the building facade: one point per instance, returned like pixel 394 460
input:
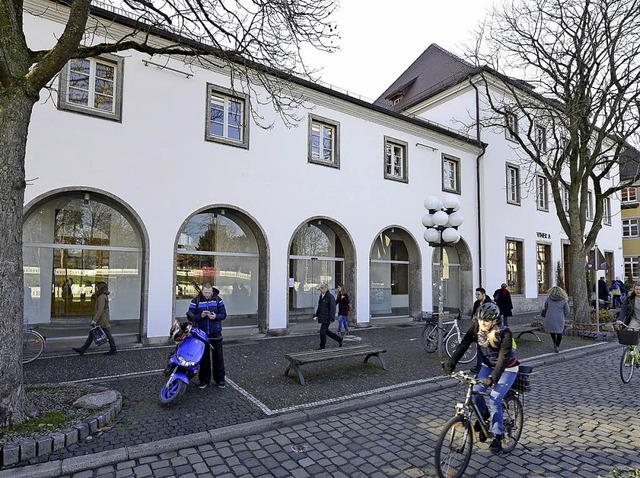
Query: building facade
pixel 149 174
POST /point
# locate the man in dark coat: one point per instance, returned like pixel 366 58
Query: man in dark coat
pixel 502 298
pixel 481 298
pixel 325 314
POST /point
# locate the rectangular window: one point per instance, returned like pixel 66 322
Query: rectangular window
pixel 450 174
pixel 93 86
pixel 541 138
pixel 543 258
pixel 590 206
pixel 395 159
pixel 227 117
pixel 511 126
pixel 514 267
pixel 607 211
pixel 629 194
pixel 542 193
pixel 323 142
pixel 630 227
pixel 632 268
pixel 565 199
pixel 513 184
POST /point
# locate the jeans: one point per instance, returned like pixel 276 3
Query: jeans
pixel 342 321
pixel 498 392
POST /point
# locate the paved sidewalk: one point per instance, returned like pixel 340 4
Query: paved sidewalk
pixel 214 416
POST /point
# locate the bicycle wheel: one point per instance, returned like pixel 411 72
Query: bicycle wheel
pixel 451 344
pixel 32 345
pixel 453 449
pixel 512 420
pixel 430 338
pixel 626 364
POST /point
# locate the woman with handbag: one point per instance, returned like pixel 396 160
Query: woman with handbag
pixel 100 320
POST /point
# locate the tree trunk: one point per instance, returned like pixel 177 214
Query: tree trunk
pixel 579 293
pixel 15 114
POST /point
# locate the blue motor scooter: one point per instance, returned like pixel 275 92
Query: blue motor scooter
pixel 184 362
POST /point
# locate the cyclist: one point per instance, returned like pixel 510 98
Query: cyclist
pixel 630 311
pixel 499 366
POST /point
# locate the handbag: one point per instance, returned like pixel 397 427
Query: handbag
pixel 99 336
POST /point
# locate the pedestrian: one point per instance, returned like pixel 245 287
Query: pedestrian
pixel 630 312
pixel 603 293
pixel 207 311
pixel 502 298
pixel 325 314
pixel 555 312
pixel 481 298
pixel 344 305
pixel 499 367
pixel 100 318
pixel 617 289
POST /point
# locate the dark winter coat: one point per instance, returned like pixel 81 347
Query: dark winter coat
pixel 501 356
pixel 478 303
pixel 502 298
pixel 326 311
pixel 626 311
pixel 343 304
pixel 212 327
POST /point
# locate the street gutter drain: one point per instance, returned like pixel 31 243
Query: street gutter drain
pixel 299 448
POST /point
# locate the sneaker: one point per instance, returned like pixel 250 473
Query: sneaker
pixel 222 384
pixel 78 351
pixel 203 385
pixel 496 446
pixel 111 352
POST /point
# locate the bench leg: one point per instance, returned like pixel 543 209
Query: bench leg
pixel 530 332
pixel 297 370
pixel 382 362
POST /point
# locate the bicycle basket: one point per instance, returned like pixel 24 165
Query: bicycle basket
pixel 628 337
pixel 522 382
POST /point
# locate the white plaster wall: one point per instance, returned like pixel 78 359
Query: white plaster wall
pixel 158 163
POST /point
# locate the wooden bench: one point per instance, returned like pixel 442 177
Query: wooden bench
pixel 525 329
pixel 297 359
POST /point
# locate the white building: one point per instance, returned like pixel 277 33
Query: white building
pixel 521 239
pixel 128 184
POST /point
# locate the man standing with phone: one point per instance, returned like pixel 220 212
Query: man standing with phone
pixel 207 311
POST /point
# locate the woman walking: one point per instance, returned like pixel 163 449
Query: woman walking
pixel 555 312
pixel 343 302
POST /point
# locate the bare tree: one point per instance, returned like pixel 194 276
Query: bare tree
pixel 578 109
pixel 258 41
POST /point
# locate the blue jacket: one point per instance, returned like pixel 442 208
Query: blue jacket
pixel 212 327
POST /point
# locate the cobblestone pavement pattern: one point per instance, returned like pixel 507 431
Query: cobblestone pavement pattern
pixel 580 421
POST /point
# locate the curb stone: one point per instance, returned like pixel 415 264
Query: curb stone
pixel 96 460
pixel 12 453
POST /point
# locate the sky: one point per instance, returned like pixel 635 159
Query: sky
pixel 381 38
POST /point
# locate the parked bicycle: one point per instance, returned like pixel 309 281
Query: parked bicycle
pixel 630 359
pixel 33 343
pixel 455 443
pixel 451 336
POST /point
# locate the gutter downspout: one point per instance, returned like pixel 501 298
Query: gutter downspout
pixel 478 196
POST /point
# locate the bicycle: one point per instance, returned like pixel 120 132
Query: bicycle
pixel 630 359
pixel 455 442
pixel 452 336
pixel 33 343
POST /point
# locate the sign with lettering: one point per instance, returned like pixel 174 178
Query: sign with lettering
pixel 544 235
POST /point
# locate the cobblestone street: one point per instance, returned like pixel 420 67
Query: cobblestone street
pixel 580 420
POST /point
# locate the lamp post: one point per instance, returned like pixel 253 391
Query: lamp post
pixel 442 222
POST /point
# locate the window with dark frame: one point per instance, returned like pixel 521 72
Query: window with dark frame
pixel 541 138
pixel 542 193
pixel 450 174
pixel 324 141
pixel 93 86
pixel 511 124
pixel 514 267
pixel 395 159
pixel 513 184
pixel 227 117
pixel 606 217
pixel 543 267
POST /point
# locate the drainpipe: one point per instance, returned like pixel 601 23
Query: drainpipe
pixel 478 197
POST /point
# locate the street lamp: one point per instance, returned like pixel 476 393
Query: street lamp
pixel 442 222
